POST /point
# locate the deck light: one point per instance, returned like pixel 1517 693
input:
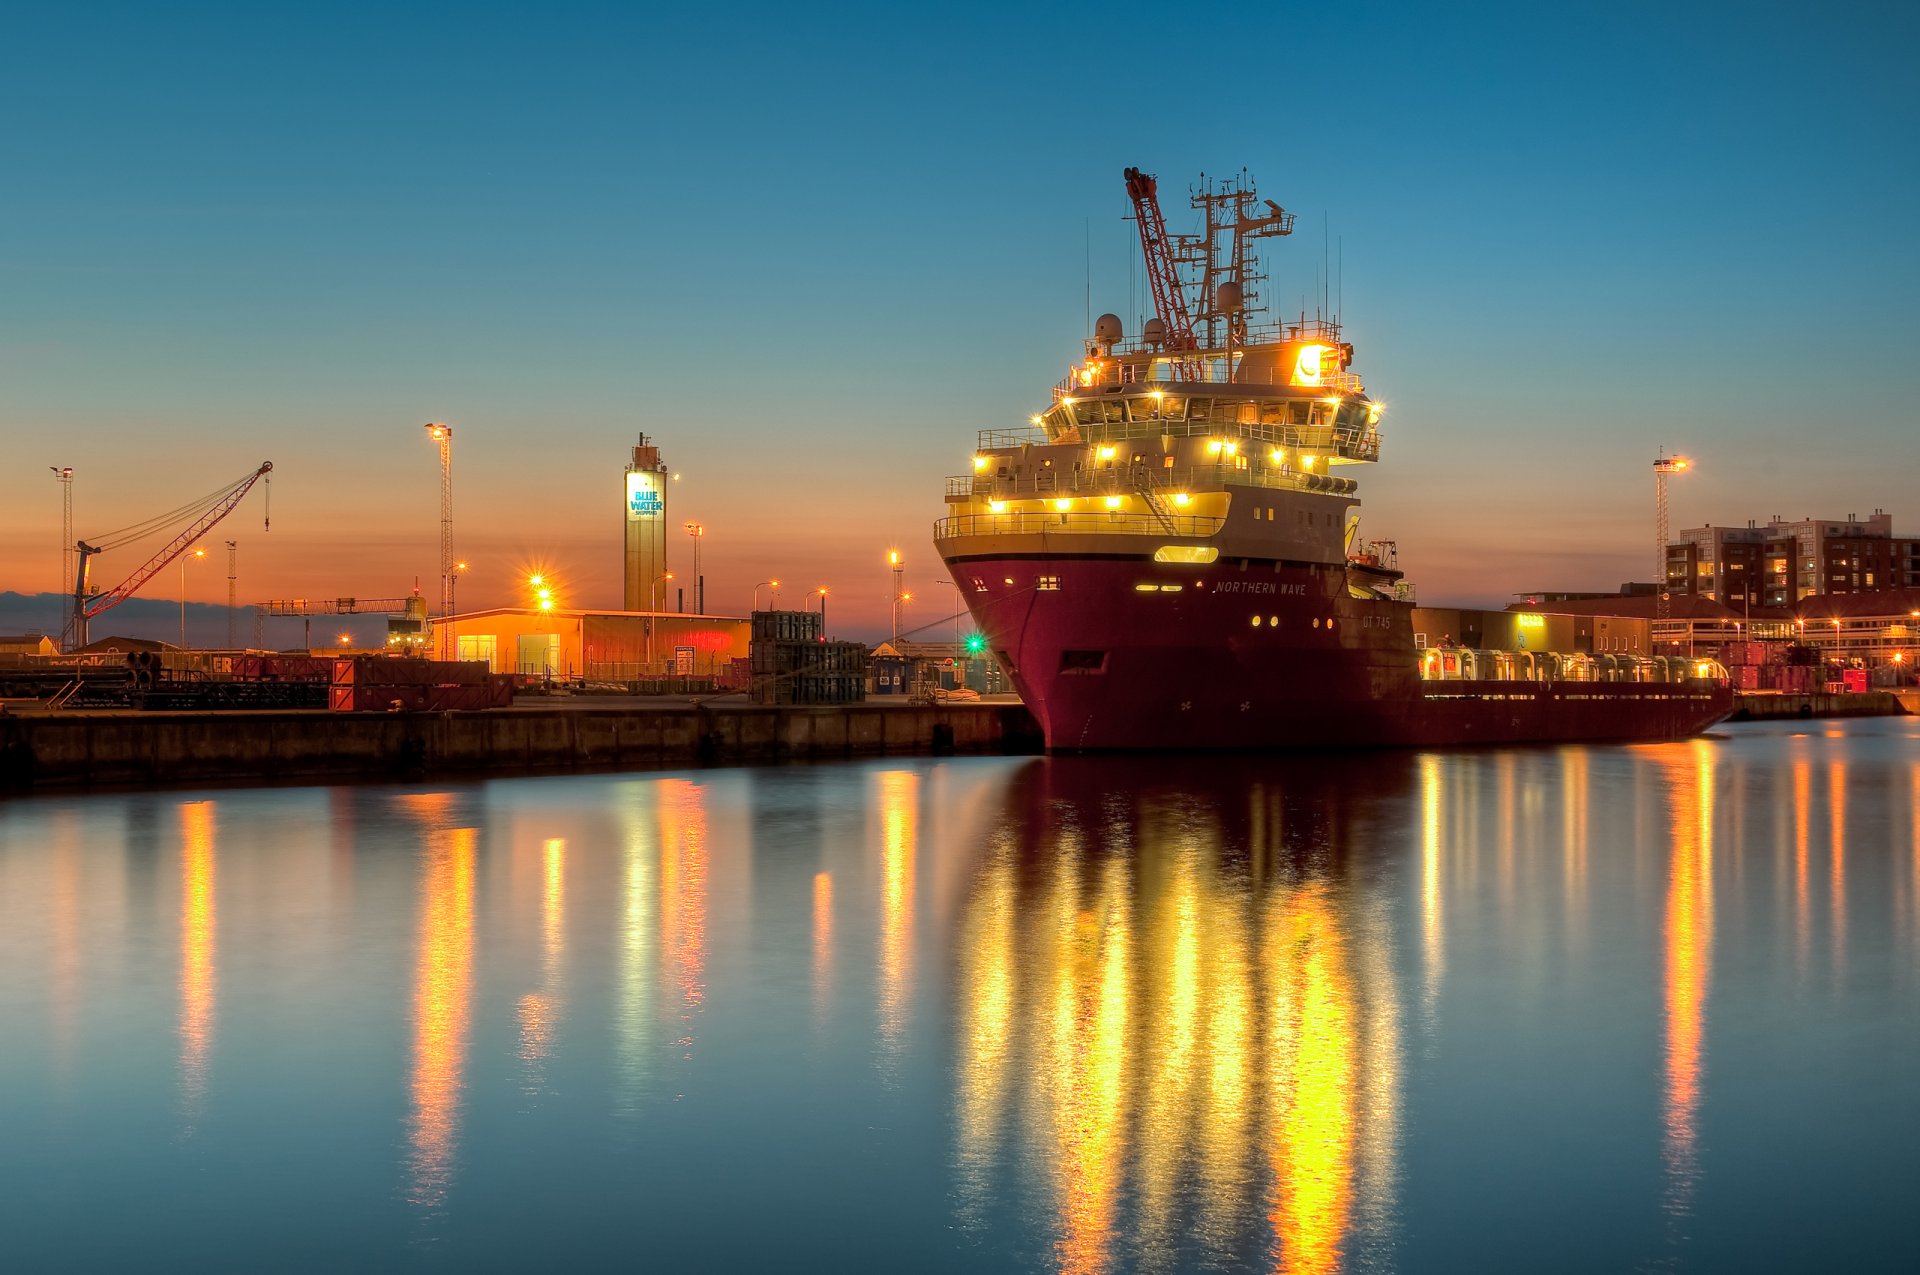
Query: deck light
pixel 1036 420
pixel 1063 505
pixel 997 506
pixel 1113 502
pixel 1106 453
pixel 1181 499
pixel 1276 456
pixel 979 462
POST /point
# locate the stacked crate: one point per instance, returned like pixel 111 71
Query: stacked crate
pixel 792 664
pixel 1762 666
pixel 381 683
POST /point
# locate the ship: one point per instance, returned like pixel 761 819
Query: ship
pixel 1167 557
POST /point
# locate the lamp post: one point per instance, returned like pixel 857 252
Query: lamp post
pixel 199 554
pixel 898 569
pixel 763 584
pixel 698 533
pixel 959 605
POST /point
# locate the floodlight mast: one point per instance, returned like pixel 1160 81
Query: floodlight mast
pixel 442 436
pixel 1664 467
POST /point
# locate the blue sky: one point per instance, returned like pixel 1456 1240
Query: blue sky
pixel 813 252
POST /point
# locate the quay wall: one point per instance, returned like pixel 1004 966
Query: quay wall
pixel 1767 708
pixel 79 750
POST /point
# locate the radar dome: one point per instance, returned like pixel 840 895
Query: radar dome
pixel 1227 297
pixel 1106 328
pixel 1155 332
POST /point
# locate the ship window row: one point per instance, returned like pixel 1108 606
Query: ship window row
pixel 1117 410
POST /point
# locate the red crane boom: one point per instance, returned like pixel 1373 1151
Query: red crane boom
pixel 1169 295
pixel 85 607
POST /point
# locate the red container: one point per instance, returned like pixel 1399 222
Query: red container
pixel 1855 680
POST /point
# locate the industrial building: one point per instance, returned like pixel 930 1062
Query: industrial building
pixel 618 646
pixel 1780 563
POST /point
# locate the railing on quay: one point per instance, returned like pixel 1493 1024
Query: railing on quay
pixel 1015 524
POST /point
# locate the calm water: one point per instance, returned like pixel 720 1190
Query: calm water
pixel 1585 1008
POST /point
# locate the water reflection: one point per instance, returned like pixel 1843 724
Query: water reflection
pixel 198 949
pixel 540 1010
pixel 443 988
pixel 899 797
pixel 1689 960
pixel 1175 1006
pixel 683 897
pixel 638 951
pixel 822 943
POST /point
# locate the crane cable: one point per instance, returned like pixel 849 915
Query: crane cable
pixel 162 522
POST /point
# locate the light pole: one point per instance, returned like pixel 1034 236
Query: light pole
pixel 458 567
pixel 1664 467
pixel 442 436
pixel 898 569
pixel 233 587
pixel 197 553
pixel 698 533
pixel 959 605
pixel 763 584
pixel 656 590
pixel 63 474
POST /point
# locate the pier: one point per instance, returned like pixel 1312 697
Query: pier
pixel 116 749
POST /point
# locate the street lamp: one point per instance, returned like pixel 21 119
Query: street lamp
pixel 655 592
pixel 698 532
pixel 198 554
pixel 897 568
pixel 763 584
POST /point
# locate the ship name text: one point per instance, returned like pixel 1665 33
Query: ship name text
pixel 1262 586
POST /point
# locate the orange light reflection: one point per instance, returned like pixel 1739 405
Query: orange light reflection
pixel 1689 943
pixel 199 942
pixel 442 995
pixel 540 1011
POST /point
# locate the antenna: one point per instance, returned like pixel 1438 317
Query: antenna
pixel 1086 232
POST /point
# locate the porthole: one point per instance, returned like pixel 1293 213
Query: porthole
pixel 1256 621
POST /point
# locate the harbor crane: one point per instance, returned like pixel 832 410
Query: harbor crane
pixel 200 517
pixel 412 606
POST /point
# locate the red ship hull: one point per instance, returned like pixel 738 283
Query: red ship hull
pixel 1122 653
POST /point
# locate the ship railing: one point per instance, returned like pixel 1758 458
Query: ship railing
pixel 1125 480
pixel 1354 437
pixel 1038 523
pixel 1200 370
pixel 1027 436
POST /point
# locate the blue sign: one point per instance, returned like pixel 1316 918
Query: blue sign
pixel 641 502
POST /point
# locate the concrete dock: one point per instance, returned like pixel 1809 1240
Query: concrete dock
pixel 47 751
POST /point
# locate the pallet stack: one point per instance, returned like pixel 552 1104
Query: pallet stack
pixel 792 663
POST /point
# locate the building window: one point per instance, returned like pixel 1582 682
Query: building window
pixel 1047 584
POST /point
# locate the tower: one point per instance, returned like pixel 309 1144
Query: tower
pixel 646 523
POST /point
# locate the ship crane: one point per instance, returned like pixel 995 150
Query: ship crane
pixel 201 516
pixel 1163 274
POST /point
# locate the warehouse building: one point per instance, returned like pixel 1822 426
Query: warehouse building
pixel 614 646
